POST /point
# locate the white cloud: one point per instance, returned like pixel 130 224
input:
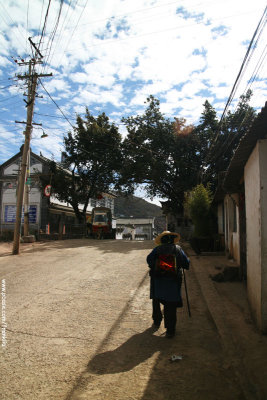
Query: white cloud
pixel 111 55
pixel 57 85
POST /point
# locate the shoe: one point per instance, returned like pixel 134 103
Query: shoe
pixel 169 335
pixel 156 324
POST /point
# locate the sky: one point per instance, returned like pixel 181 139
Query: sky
pixel 110 55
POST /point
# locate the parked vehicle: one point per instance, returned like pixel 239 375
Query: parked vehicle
pixel 101 223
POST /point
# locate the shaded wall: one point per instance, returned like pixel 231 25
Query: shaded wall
pixel 256 221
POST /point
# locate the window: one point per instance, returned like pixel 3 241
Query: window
pixel 100 218
pixel 93 202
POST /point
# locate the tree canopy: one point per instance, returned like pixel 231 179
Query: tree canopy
pixel 226 137
pixel 92 162
pixel 170 157
pixel 162 154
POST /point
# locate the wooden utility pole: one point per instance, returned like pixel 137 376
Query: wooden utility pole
pixel 26 196
pixel 32 84
pixel 26 148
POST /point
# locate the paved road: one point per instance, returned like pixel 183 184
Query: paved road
pixel 78 320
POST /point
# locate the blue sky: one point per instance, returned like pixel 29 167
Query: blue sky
pixel 109 55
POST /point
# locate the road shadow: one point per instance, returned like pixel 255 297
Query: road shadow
pixel 133 352
pixel 105 246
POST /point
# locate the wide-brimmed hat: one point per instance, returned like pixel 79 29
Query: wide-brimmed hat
pixel 176 239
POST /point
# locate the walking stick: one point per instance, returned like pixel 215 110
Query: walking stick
pixel 187 300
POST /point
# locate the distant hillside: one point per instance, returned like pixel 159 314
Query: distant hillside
pixel 136 207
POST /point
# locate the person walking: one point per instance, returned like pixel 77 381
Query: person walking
pixel 166 262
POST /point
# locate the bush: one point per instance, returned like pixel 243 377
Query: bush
pixel 198 206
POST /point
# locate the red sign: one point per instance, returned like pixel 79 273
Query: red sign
pixel 47 190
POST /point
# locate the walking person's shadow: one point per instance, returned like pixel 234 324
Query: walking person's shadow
pixel 134 351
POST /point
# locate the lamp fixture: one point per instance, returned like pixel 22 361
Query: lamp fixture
pixel 44 135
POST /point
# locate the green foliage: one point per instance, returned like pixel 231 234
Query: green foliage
pixel 227 134
pixel 198 205
pixel 169 157
pixel 92 162
pixel 161 154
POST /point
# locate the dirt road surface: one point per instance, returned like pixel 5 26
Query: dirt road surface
pixel 78 326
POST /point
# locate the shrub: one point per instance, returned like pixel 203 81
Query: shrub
pixel 198 206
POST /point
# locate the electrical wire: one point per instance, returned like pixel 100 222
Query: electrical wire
pixel 259 29
pixel 246 58
pixel 54 116
pixel 27 25
pixel 15 25
pixel 11 97
pixel 74 30
pixel 105 42
pixel 61 29
pixel 66 118
pixel 53 33
pixel 44 25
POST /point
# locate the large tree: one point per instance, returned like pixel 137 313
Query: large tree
pixel 225 138
pixel 162 154
pixel 171 158
pixel 92 162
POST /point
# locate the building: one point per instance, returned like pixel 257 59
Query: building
pixel 135 228
pixel 242 212
pixel 47 216
pixel 181 224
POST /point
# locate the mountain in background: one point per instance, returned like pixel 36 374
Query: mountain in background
pixel 135 207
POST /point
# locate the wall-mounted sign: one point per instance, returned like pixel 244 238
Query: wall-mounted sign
pixel 47 190
pixel 10 214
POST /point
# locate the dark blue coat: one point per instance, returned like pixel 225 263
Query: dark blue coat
pixel 167 288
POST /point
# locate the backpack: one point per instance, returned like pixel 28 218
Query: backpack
pixel 166 262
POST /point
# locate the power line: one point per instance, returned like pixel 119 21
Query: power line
pixel 54 116
pixel 104 42
pixel 13 23
pixel 74 29
pixel 244 64
pixel 53 33
pixel 44 25
pixel 11 97
pixel 60 32
pixel 66 118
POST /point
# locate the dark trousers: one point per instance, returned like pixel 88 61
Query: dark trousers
pixel 169 314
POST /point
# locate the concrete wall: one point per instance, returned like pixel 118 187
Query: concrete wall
pixel 263 202
pixel 220 218
pixel 256 221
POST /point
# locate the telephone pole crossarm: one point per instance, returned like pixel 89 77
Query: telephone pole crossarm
pixel 30 76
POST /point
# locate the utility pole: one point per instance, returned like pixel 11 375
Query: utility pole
pixel 26 196
pixel 32 84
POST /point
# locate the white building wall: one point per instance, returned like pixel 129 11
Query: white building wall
pixel 231 222
pixel 263 204
pixel 9 194
pixel 253 224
